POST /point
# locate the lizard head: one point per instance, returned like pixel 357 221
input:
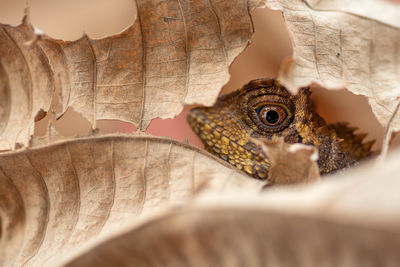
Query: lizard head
pixel 265 109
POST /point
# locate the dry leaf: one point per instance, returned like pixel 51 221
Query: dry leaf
pixel 58 197
pixel 55 199
pixel 245 237
pixel 291 163
pixel 26 85
pixel 179 52
pixel 175 53
pixel 335 49
pixel 338 222
pixel 382 10
pixel 51 136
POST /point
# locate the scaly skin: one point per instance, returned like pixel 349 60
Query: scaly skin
pixel 227 127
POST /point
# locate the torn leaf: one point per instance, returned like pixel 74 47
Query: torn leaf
pixel 336 48
pixel 291 163
pixel 175 53
pixel 59 197
pixel 340 222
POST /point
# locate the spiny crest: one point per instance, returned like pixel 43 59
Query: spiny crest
pixel 265 109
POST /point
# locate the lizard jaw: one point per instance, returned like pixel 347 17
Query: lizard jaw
pixel 226 130
pixel 239 152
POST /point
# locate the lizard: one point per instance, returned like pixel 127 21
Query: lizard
pixel 264 108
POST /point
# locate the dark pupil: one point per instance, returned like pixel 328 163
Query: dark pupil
pixel 272 116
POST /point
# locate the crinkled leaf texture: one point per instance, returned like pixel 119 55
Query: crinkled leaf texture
pixel 341 49
pixel 178 52
pixel 341 221
pixel 175 53
pixel 59 197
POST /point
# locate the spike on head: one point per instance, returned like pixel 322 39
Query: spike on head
pixel 265 109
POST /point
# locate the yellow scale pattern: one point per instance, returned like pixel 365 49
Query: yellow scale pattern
pixel 227 127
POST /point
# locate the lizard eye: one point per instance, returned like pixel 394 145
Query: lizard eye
pixel 272 115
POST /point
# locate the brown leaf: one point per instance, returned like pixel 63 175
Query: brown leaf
pixel 51 136
pixel 175 53
pixel 56 198
pixel 352 221
pixel 336 48
pixel 244 237
pixel 26 84
pixel 384 11
pixel 291 163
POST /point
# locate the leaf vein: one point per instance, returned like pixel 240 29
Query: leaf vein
pixel 47 210
pixel 78 190
pixel 94 79
pixel 29 91
pixel 186 51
